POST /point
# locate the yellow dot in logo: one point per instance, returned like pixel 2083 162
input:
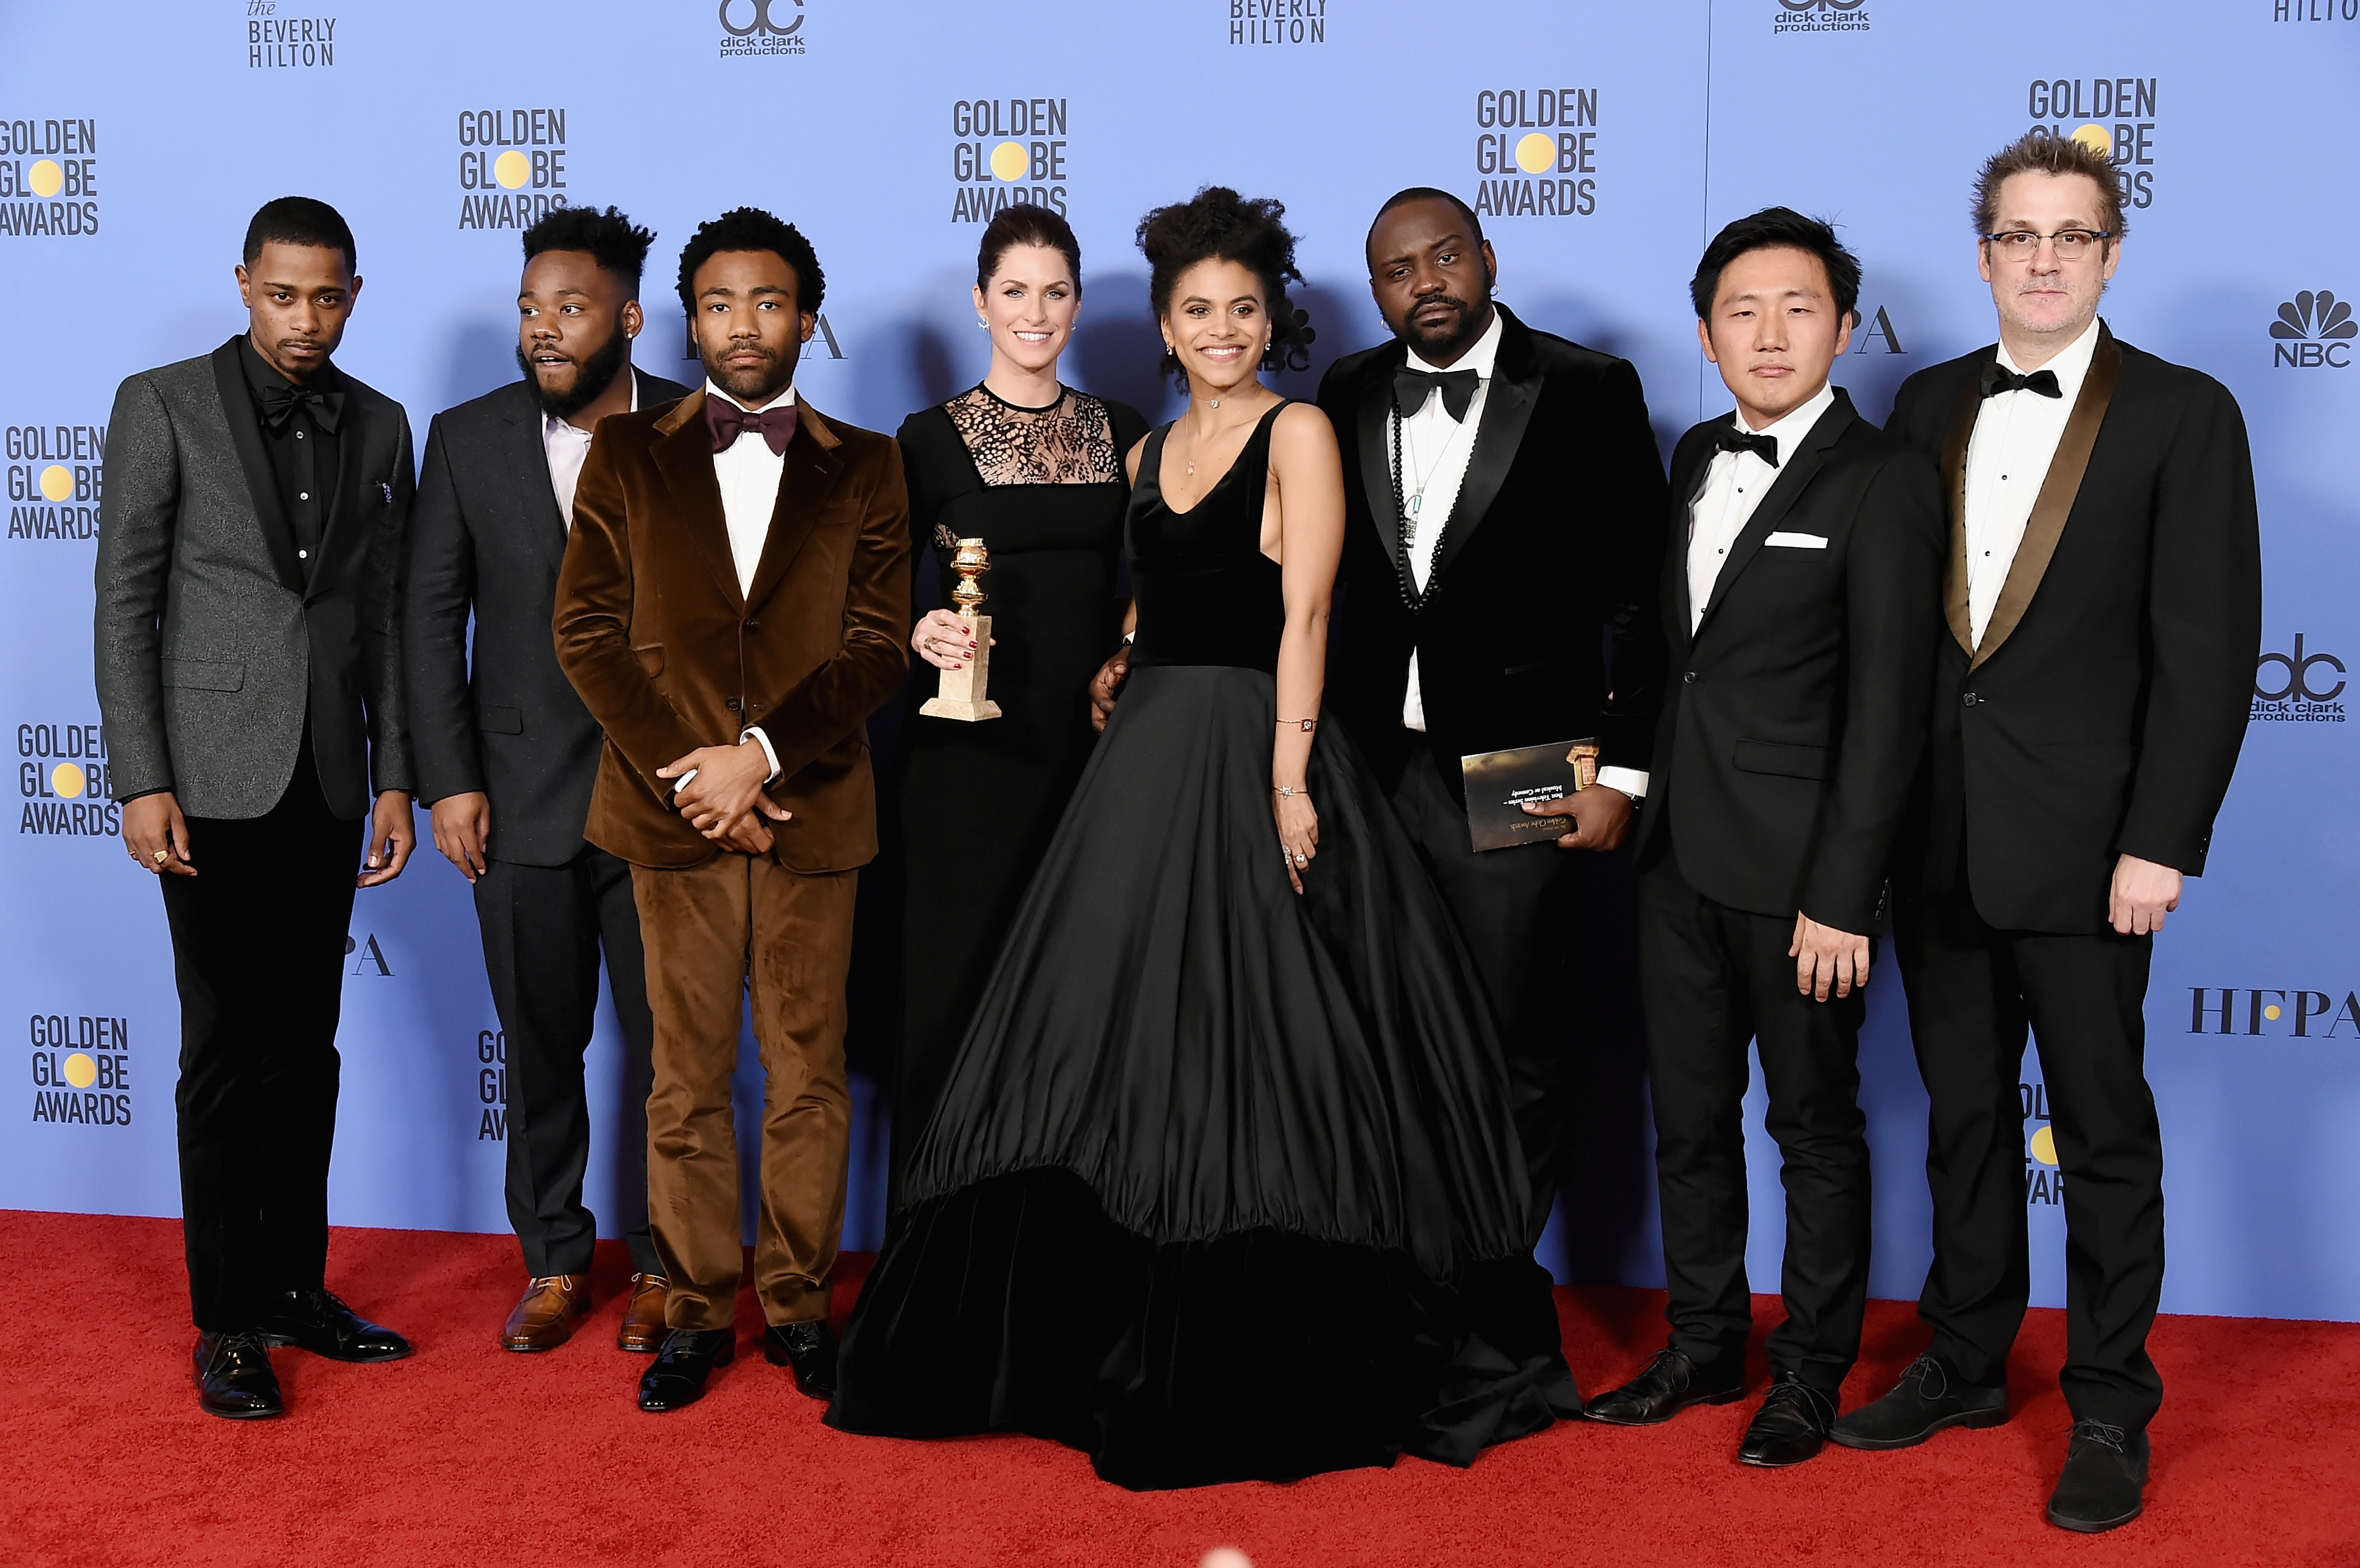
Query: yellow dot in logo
pixel 68 780
pixel 80 1071
pixel 1010 160
pixel 2097 138
pixel 47 178
pixel 512 169
pixel 1536 154
pixel 2272 1011
pixel 57 482
pixel 2044 1145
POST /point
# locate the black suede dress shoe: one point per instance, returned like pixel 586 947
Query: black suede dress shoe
pixel 234 1377
pixel 2104 1484
pixel 1790 1427
pixel 682 1365
pixel 808 1349
pixel 1929 1397
pixel 318 1321
pixel 1668 1384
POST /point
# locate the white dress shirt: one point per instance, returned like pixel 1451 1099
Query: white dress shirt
pixel 1735 483
pixel 567 444
pixel 748 473
pixel 2007 458
pixel 1434 450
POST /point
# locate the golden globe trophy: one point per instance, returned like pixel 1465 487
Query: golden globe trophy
pixel 961 693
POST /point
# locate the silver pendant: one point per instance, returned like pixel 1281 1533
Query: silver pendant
pixel 1217 402
pixel 1415 502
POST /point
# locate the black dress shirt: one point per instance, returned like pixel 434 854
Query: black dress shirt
pixel 303 450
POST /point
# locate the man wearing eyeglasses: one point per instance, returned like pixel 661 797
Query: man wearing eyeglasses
pixel 2103 599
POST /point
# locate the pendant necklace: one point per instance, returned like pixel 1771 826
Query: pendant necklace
pixel 1214 403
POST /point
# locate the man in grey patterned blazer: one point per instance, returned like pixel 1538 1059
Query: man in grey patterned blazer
pixel 249 673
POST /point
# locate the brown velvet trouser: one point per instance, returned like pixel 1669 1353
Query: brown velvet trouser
pixel 711 932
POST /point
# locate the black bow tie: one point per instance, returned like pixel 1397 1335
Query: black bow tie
pixel 1729 438
pixel 1999 378
pixel 1412 387
pixel 280 401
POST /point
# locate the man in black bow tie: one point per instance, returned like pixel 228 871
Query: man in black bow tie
pixel 1504 516
pixel 2090 691
pixel 249 666
pixel 1798 598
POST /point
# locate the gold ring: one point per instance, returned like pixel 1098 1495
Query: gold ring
pixel 163 854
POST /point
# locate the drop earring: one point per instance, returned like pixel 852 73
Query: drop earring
pixel 984 324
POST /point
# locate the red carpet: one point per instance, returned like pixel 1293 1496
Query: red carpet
pixel 467 1454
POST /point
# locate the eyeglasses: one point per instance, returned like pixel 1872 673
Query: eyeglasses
pixel 2072 245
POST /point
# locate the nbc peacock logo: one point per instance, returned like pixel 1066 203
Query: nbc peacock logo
pixel 2313 330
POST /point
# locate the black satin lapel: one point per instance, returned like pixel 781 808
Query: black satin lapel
pixel 684 457
pixel 1795 476
pixel 806 482
pixel 1698 459
pixel 1376 459
pixel 1507 410
pixel 261 484
pixel 526 456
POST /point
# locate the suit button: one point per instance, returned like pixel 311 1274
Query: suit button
pixel 1689 679
pixel 753 626
pixel 1971 698
pixel 733 704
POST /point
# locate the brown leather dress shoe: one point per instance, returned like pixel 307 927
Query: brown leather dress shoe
pixel 644 1320
pixel 553 1307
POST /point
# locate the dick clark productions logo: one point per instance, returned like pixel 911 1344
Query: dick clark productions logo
pixel 761 27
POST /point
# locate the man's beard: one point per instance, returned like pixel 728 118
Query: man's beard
pixel 751 388
pixel 1447 343
pixel 594 375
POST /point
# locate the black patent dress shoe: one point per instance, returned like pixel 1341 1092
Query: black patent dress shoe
pixel 319 1321
pixel 807 1349
pixel 234 1377
pixel 2104 1484
pixel 1669 1384
pixel 1790 1427
pixel 1929 1397
pixel 684 1364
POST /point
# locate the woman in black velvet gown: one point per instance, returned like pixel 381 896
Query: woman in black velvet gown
pixel 1223 1183
pixel 1034 469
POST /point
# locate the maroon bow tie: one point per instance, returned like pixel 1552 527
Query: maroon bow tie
pixel 728 421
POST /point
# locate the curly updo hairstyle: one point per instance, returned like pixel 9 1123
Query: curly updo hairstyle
pixel 1218 224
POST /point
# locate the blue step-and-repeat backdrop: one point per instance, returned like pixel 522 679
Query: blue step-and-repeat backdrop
pixel 1602 142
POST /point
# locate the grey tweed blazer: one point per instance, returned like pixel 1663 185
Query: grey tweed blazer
pixel 212 637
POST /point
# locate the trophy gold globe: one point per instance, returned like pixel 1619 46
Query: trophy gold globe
pixel 961 695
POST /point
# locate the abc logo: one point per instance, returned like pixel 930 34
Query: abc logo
pixel 2298 667
pixel 762 23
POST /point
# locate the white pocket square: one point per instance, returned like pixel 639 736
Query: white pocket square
pixel 1797 541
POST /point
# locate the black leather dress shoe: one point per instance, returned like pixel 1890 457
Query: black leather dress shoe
pixel 1790 1427
pixel 807 1349
pixel 1668 1384
pixel 1929 1397
pixel 234 1377
pixel 318 1321
pixel 2104 1484
pixel 682 1364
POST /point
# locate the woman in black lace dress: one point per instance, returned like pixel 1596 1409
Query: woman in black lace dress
pixel 1223 1182
pixel 1034 470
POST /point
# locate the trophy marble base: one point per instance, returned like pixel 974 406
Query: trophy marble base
pixel 961 694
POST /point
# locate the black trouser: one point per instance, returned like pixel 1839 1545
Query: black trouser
pixel 257 950
pixel 1519 910
pixel 1714 978
pixel 1973 994
pixel 543 927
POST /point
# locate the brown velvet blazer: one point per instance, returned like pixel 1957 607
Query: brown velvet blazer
pixel 669 655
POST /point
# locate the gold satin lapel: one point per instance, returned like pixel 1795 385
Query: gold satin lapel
pixel 1955 606
pixel 2057 490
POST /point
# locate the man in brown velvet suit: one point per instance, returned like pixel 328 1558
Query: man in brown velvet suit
pixel 731 610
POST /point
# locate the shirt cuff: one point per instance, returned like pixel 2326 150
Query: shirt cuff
pixel 1632 781
pixel 768 754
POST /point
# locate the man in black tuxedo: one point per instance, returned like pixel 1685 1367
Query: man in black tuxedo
pixel 1503 522
pixel 2103 601
pixel 1798 597
pixel 248 659
pixel 506 754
